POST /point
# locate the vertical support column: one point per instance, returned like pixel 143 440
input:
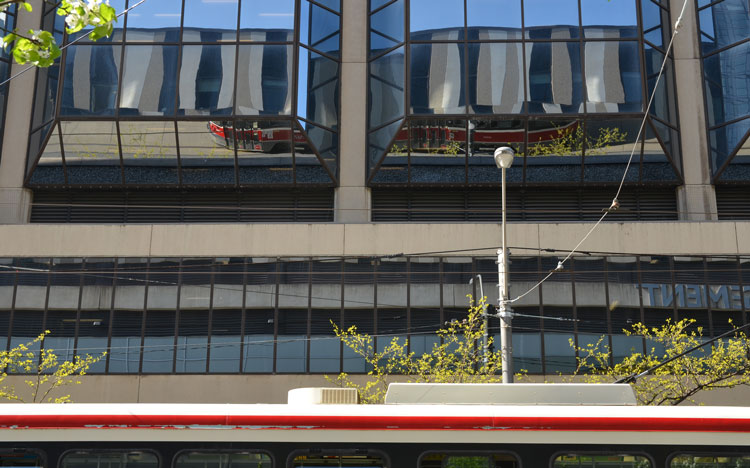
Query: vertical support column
pixel 696 199
pixel 352 196
pixel 15 200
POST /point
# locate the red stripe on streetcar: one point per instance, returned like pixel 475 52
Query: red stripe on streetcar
pixel 375 423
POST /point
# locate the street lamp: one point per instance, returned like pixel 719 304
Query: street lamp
pixel 503 160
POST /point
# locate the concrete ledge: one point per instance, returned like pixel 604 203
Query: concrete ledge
pixel 273 240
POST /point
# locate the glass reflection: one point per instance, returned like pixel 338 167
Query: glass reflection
pixel 317 90
pixel 149 152
pixel 149 80
pixel 437 151
pixel 226 341
pixel 613 77
pixel 308 168
pixel 259 341
pixel 275 16
pixel 615 18
pixel 656 158
pixel 155 22
pixel 727 88
pixel 724 141
pixel 264 150
pixel 92 338
pixel 653 18
pixel 334 5
pixel 664 103
pixel 724 24
pixel 49 168
pixel 494 16
pixel 545 19
pixel 91 76
pixel 387 28
pixel 382 141
pixel 437 79
pixel 92 155
pixel 207 80
pixel 210 21
pixel 205 159
pixel 554 150
pixel 125 347
pixel 192 342
pixel 496 84
pixel 484 137
pixel 554 77
pixel 158 341
pixel 264 79
pixel 116 36
pixel 739 168
pixel 430 15
pixel 319 28
pixel 387 87
pixel 607 148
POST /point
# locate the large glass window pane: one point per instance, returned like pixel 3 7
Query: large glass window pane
pixel 494 19
pixel 92 338
pixel 608 147
pixel 92 153
pixel 49 166
pixel 65 283
pixel 291 344
pixel 116 36
pixel 553 71
pixel 206 156
pixel 325 347
pixel 437 79
pixel 125 348
pixel 432 15
pixel 91 77
pixel 609 19
pixel 317 89
pixel 149 152
pixel 264 79
pixel 554 150
pixel 158 343
pixel 556 19
pixel 223 459
pixel 192 341
pixel 32 278
pixel 111 459
pixel 226 340
pixel 207 80
pixel 155 22
pixel 386 97
pixel 210 21
pixel 61 339
pixel 259 341
pixel 274 20
pixel 738 167
pixel 307 165
pixel 149 80
pixel 319 28
pixel 727 89
pixel 163 283
pixel 387 27
pixel 613 77
pixel 27 326
pixel 724 24
pixel 496 82
pixel 364 320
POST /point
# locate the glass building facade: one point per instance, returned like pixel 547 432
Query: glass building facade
pixel 7 23
pixel 451 80
pixel 262 315
pixel 193 94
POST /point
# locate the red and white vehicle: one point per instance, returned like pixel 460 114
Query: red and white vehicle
pixel 411 430
pixel 270 136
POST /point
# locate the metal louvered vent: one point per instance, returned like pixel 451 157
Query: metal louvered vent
pixel 529 204
pixel 733 202
pixel 183 207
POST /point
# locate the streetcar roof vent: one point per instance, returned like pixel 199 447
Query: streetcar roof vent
pixel 322 396
pixel 511 394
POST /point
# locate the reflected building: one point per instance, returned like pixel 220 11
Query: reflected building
pixel 202 198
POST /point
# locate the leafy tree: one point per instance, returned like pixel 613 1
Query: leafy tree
pixel 46 374
pixel 39 47
pixel 459 357
pixel 723 364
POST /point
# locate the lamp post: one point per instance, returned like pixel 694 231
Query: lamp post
pixel 503 160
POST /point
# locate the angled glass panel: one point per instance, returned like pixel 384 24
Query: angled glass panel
pixel 317 89
pixel 553 71
pixel 264 79
pixel 485 136
pixel 155 22
pixel 551 19
pixel 437 79
pixel 45 96
pixel 375 4
pixel 554 151
pixel 387 87
pixel 656 160
pixel 613 77
pixel 380 144
pixel 727 85
pixel 654 18
pixel 49 169
pixel 307 165
pixel 318 26
pixel 149 80
pixel 437 151
pixel 210 21
pixel 435 15
pixel 607 148
pixel 204 158
pixel 264 151
pixel 739 166
pixel 92 154
pixel 36 140
pixel 116 36
pixel 670 140
pixel 387 28
pixel 206 80
pixel 616 19
pixel 493 19
pixel 149 152
pixel 91 75
pixel 496 82
pixel 724 24
pixel 267 21
pixel 723 141
pixel 664 104
pixel 334 5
